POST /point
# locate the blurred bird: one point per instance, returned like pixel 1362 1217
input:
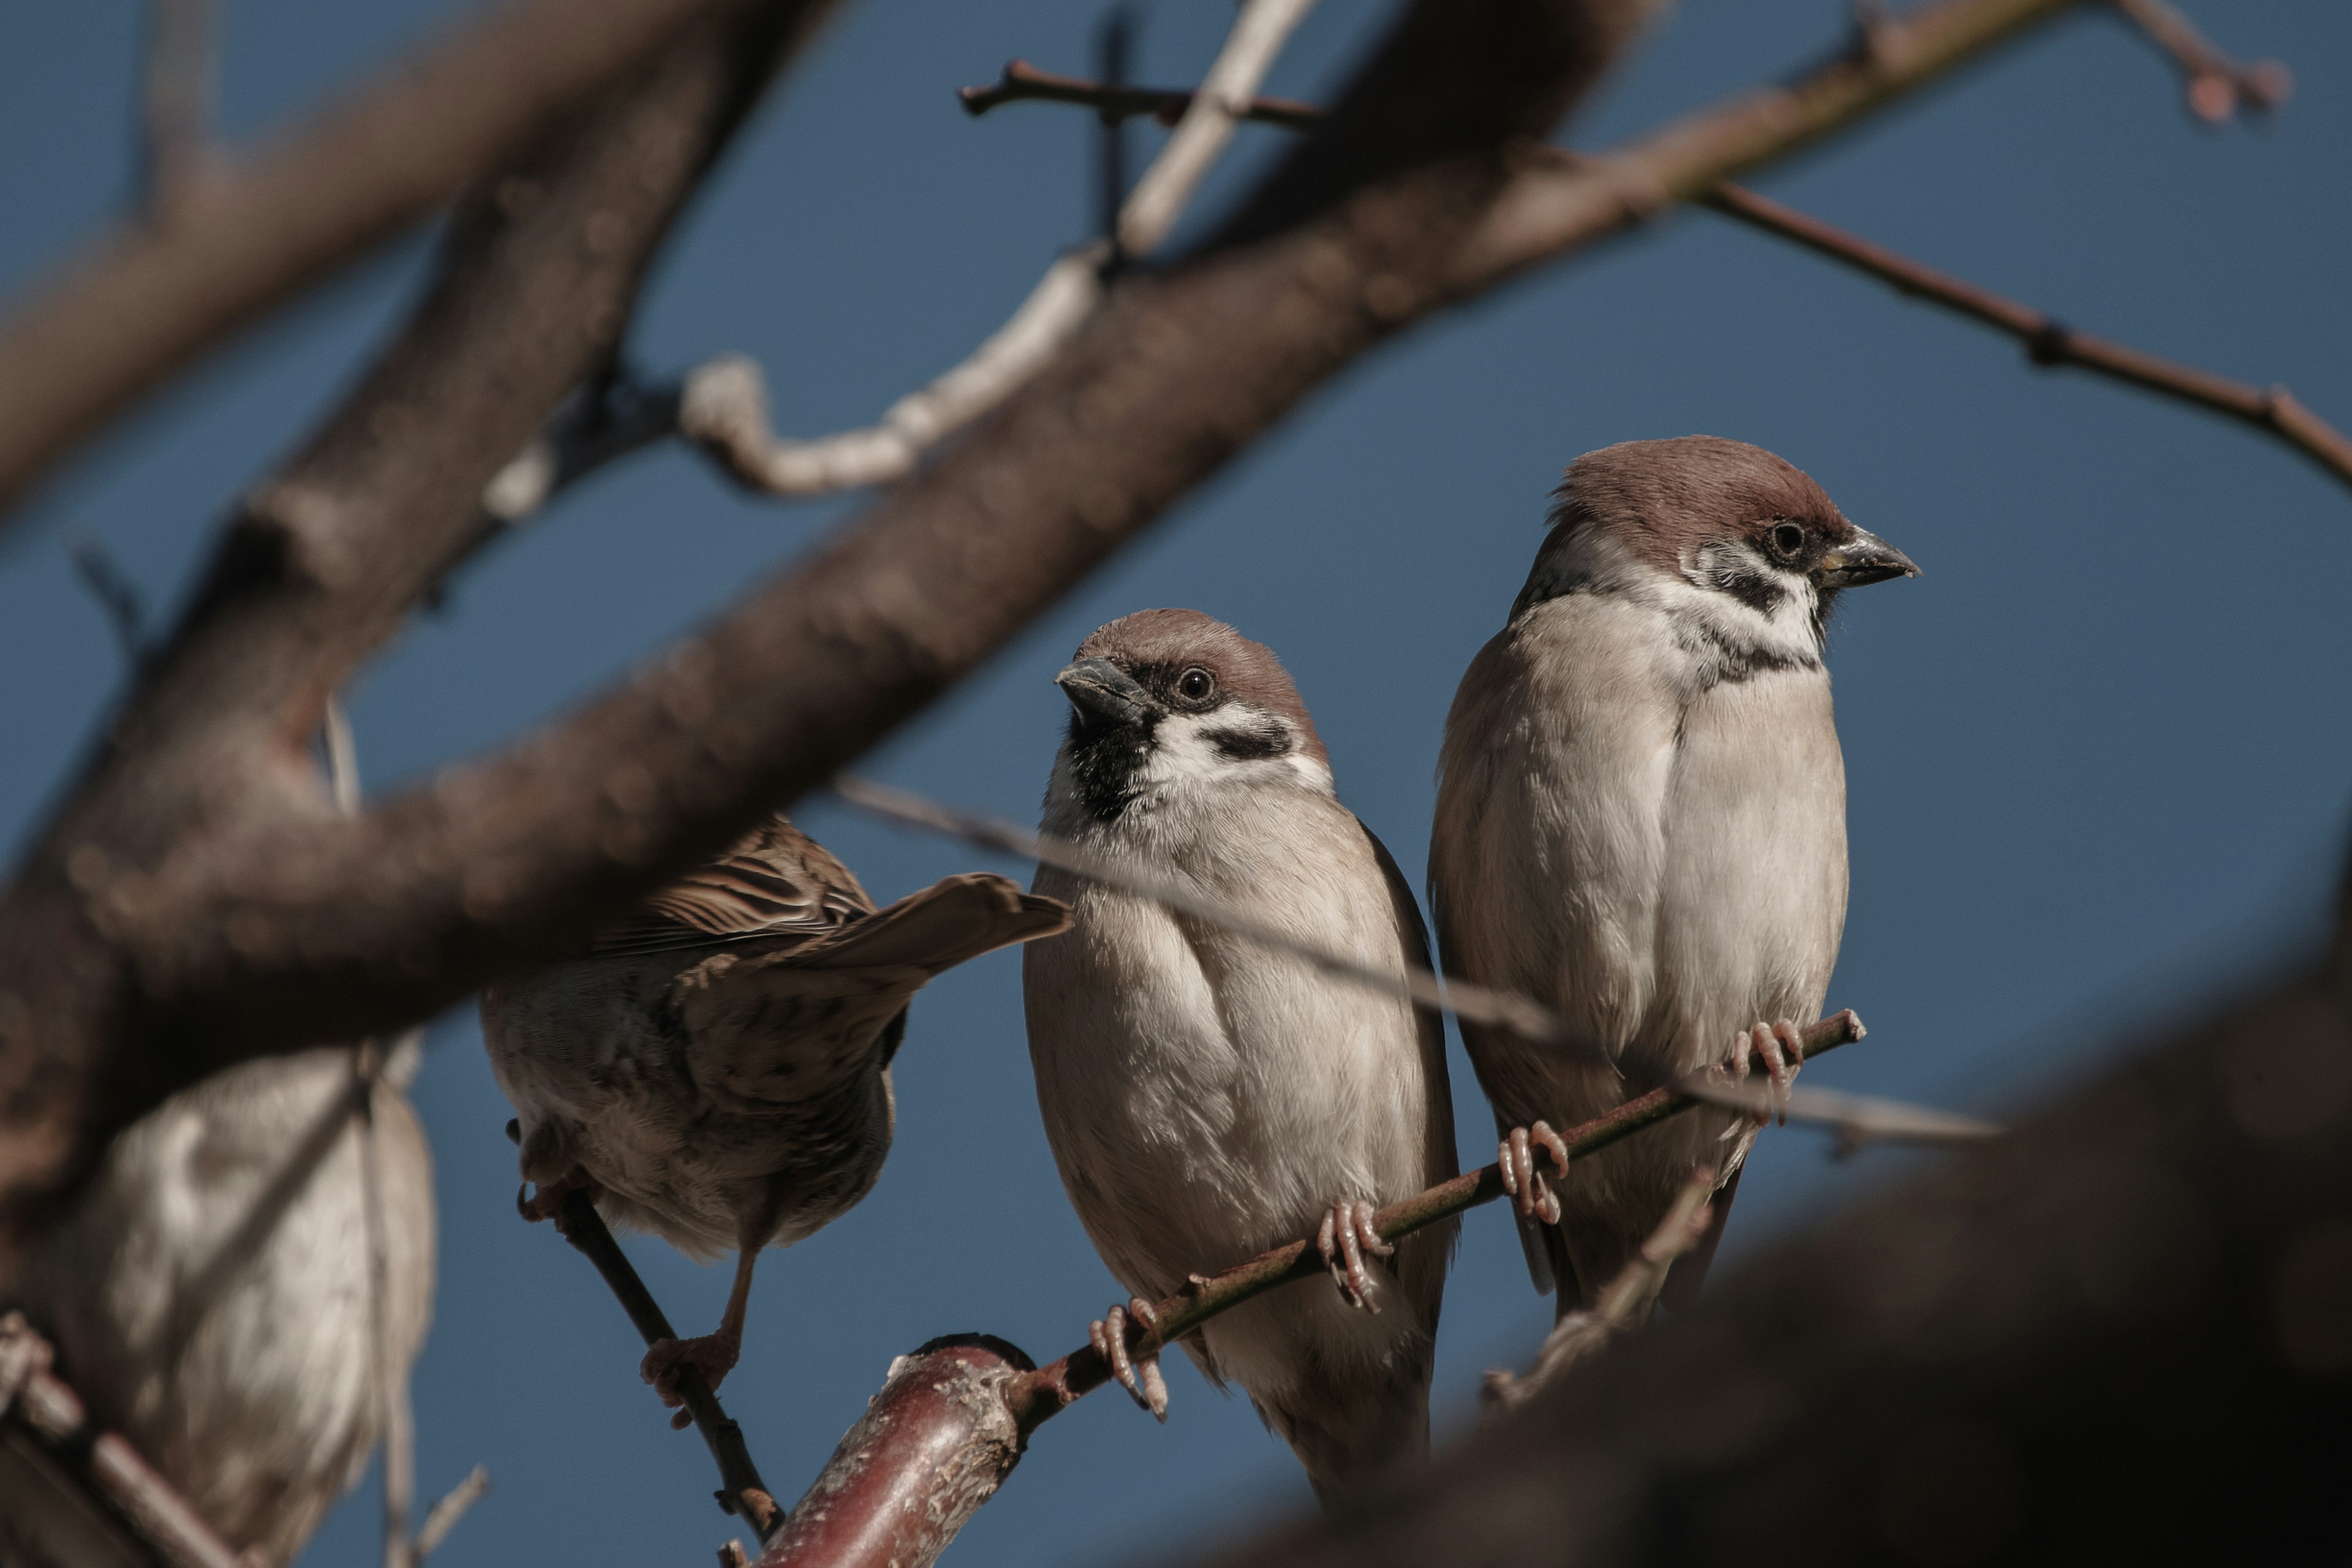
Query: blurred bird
pixel 1208 1098
pixel 209 1297
pixel 716 1070
pixel 1641 822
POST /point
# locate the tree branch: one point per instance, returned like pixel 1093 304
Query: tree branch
pixel 2214 83
pixel 211 751
pixel 130 928
pixel 120 317
pixel 2121 1334
pixel 2047 341
pixel 741 1491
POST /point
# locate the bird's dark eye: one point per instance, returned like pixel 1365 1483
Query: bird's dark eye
pixel 1195 684
pixel 1787 538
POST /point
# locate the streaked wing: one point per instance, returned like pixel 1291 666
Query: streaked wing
pixel 777 881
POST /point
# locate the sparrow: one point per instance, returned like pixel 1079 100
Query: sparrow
pixel 1641 824
pixel 1208 1098
pixel 209 1296
pixel 716 1069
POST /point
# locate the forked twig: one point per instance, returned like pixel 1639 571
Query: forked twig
pixel 2215 82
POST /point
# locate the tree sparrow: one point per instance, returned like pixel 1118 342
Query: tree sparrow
pixel 209 1296
pixel 716 1070
pixel 1641 822
pixel 1207 1097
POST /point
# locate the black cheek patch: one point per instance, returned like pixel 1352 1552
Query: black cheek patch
pixel 1751 587
pixel 1250 746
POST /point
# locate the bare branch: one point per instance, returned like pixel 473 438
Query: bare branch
pixel 103 1464
pixel 181 162
pixel 2214 83
pixel 2049 341
pixel 1038 1396
pixel 724 407
pixel 2122 1333
pixel 1623 1303
pixel 446 1513
pixel 116 320
pixel 743 1493
pixel 117 595
pixel 1022 80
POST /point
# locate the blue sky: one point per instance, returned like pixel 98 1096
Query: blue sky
pixel 2097 755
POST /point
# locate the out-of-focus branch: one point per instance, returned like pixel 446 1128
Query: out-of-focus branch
pixel 2215 83
pixel 446 1513
pixel 2047 341
pixel 2123 1333
pixel 536 283
pixel 103 1464
pixel 1022 80
pixel 1856 1120
pixel 178 103
pixel 723 408
pixel 124 605
pixel 1623 1303
pixel 742 1493
pixel 116 321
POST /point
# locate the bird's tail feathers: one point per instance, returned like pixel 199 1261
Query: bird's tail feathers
pixel 1352 1442
pixel 950 922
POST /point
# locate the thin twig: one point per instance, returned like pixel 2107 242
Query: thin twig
pixel 1623 1303
pixel 181 158
pixel 2215 83
pixel 1857 1120
pixel 117 595
pixel 446 1513
pixel 1038 1396
pixel 2047 341
pixel 744 1493
pixel 1165 104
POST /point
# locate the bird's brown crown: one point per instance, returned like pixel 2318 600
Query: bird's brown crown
pixel 1663 500
pixel 1156 648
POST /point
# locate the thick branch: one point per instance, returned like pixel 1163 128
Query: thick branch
pixel 212 748
pixel 1038 1396
pixel 113 322
pixel 2122 1334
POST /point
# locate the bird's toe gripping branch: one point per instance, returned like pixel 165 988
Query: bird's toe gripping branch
pixel 1139 1374
pixel 1522 1180
pixel 1347 1235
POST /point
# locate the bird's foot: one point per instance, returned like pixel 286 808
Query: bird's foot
pixel 547 1201
pixel 1783 1050
pixel 1347 1235
pixel 712 1355
pixel 1521 1179
pixel 1139 1374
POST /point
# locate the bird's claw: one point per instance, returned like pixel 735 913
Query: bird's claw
pixel 1139 1375
pixel 1521 1179
pixel 1783 1050
pixel 1348 1234
pixel 712 1355
pixel 547 1201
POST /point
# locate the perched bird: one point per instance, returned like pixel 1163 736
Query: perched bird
pixel 717 1069
pixel 209 1296
pixel 1641 822
pixel 1208 1098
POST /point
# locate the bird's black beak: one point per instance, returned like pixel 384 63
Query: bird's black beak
pixel 1105 695
pixel 1863 560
